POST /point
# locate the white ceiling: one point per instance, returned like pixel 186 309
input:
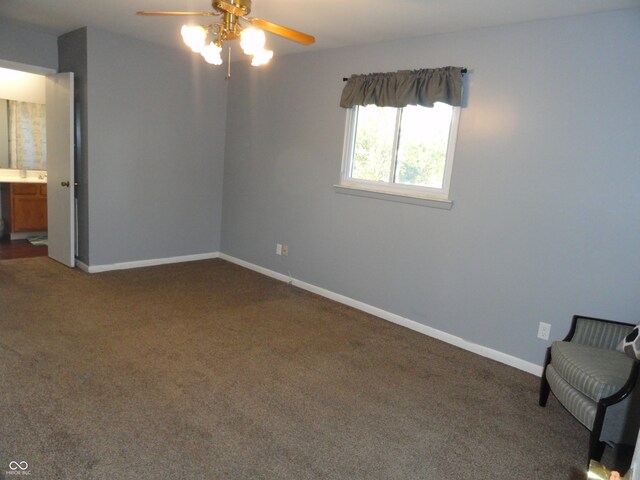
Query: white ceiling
pixel 334 23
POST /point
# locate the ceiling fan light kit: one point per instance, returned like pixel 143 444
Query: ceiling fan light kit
pixel 232 24
pixel 194 37
pixel 212 54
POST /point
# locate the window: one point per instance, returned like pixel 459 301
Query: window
pixel 402 151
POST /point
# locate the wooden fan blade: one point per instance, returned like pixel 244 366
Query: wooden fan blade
pixel 228 7
pixel 177 14
pixel 282 31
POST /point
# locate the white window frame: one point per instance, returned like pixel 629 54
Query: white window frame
pixel 395 189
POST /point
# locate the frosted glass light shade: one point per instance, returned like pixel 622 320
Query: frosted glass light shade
pixel 252 40
pixel 194 36
pixel 261 57
pixel 211 54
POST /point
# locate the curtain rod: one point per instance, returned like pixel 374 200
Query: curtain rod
pixel 463 71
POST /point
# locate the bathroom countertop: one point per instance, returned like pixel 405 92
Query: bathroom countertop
pixel 13 176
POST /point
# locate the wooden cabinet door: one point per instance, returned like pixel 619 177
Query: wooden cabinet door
pixel 29 214
pixel 28 207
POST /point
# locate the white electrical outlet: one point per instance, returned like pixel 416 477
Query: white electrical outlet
pixel 278 249
pixel 285 250
pixel 544 329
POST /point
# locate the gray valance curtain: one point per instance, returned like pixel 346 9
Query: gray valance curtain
pixel 405 87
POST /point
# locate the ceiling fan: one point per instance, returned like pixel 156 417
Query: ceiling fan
pixel 233 23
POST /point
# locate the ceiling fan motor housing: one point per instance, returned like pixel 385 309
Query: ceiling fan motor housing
pixel 244 5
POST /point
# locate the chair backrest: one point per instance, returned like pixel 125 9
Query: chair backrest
pixel 600 334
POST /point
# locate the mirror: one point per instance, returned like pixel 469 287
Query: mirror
pixel 23 143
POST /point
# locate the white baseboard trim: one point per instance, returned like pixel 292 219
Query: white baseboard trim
pixel 487 352
pixel 144 263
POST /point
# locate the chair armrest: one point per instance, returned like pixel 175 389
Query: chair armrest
pixel 626 389
pixel 597 332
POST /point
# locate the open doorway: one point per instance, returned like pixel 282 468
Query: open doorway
pixel 23 165
pixel 36 148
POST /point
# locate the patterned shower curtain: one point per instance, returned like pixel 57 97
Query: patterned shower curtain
pixel 27 136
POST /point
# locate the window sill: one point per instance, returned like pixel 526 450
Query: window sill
pixel 424 201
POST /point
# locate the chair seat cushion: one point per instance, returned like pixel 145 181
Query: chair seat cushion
pixel 578 405
pixel 595 372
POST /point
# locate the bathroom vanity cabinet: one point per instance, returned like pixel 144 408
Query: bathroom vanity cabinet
pixel 24 207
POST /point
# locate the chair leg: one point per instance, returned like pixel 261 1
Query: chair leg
pixel 544 384
pixel 596 447
pixel 544 390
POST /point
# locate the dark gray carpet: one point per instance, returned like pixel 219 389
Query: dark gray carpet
pixel 206 370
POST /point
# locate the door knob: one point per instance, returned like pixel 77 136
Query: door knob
pixel 64 184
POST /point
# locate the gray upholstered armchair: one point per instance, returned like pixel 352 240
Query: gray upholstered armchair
pixel 595 382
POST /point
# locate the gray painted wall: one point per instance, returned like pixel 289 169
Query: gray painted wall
pixel 156 138
pixel 546 219
pixel 151 162
pixel 28 47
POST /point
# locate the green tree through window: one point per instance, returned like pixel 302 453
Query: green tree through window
pixel 405 146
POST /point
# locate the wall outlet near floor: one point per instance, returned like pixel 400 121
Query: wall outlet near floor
pixel 285 250
pixel 544 329
pixel 278 249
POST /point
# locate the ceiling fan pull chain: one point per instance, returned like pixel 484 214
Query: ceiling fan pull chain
pixel 229 66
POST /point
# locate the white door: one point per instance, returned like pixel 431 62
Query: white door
pixel 60 171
